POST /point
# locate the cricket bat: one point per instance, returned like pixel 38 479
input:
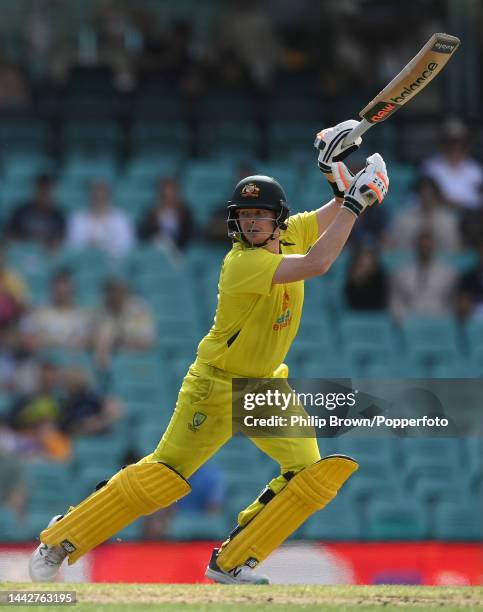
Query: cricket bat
pixel 414 77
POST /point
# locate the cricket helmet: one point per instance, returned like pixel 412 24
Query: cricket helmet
pixel 257 191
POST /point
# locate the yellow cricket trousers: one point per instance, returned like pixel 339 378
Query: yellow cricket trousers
pixel 202 423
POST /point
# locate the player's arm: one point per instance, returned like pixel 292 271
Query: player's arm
pixel 368 187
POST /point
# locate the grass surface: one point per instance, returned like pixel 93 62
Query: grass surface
pixel 174 597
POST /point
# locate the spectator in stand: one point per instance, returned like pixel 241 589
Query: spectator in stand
pixel 458 175
pixel 169 220
pixel 366 287
pixel 123 322
pixel 36 418
pixel 14 88
pixel 102 225
pixel 469 303
pixel 62 323
pixel 246 34
pixel 427 213
pixel 83 410
pixel 14 296
pixel 426 286
pixel 18 364
pixel 39 220
pixel 460 178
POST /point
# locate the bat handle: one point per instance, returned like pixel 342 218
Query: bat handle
pixel 354 134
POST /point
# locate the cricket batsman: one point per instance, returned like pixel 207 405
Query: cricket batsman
pixel 261 283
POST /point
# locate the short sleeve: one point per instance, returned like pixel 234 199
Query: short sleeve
pixel 249 271
pixel 303 230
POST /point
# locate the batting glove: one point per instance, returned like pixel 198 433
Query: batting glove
pixel 329 143
pixel 366 188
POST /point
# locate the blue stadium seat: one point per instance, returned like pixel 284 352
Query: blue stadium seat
pixel 454 522
pixel 91 135
pixel 393 520
pixel 50 485
pixel 149 135
pixel 432 341
pixel 82 168
pixel 26 166
pixel 240 138
pixel 197 526
pixel 368 338
pixel 337 521
pixel 149 168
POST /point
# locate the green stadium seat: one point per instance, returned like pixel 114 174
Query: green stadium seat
pixel 393 520
pixel 100 450
pixel 436 458
pixel 225 105
pixel 82 168
pixel 337 521
pixel 91 135
pixel 239 136
pixel 149 168
pixel 135 199
pixel 452 521
pixel 27 134
pixel 432 341
pixel 286 174
pixel 160 135
pixel 37 521
pixel 49 484
pixel 197 526
pixel 368 338
pixel 26 166
pixel 89 476
pixel 474 336
pixel 287 136
pixel 429 490
pixel 10 529
pixel 132 532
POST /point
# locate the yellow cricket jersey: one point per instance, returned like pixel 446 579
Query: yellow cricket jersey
pixel 255 321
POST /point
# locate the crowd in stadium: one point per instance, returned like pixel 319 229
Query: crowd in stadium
pixel 436 232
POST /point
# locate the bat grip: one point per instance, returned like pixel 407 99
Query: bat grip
pixel 354 134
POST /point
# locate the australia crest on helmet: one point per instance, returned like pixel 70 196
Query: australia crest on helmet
pixel 250 190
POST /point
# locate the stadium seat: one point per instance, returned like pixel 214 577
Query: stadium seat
pixel 82 168
pixel 50 485
pixel 454 522
pixel 432 341
pixel 197 526
pixel 337 521
pixel 91 135
pixel 368 338
pixel 25 166
pixel 430 490
pixel 170 137
pixel 149 168
pixel 97 451
pixel 396 520
pixel 26 134
pixel 10 529
pixel 286 137
pixel 240 139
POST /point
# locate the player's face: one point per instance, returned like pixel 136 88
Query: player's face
pixel 256 224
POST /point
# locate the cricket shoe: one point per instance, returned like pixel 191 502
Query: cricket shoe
pixel 46 560
pixel 238 575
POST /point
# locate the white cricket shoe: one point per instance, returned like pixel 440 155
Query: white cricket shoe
pixel 46 560
pixel 238 575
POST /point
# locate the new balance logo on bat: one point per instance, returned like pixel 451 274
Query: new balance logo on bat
pixel 380 111
pixel 407 91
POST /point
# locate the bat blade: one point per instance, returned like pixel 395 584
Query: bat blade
pixel 414 77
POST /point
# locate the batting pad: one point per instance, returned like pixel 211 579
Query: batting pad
pixel 308 491
pixel 134 491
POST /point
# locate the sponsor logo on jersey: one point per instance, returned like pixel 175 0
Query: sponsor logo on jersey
pixel 198 419
pixel 285 318
pixel 250 190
